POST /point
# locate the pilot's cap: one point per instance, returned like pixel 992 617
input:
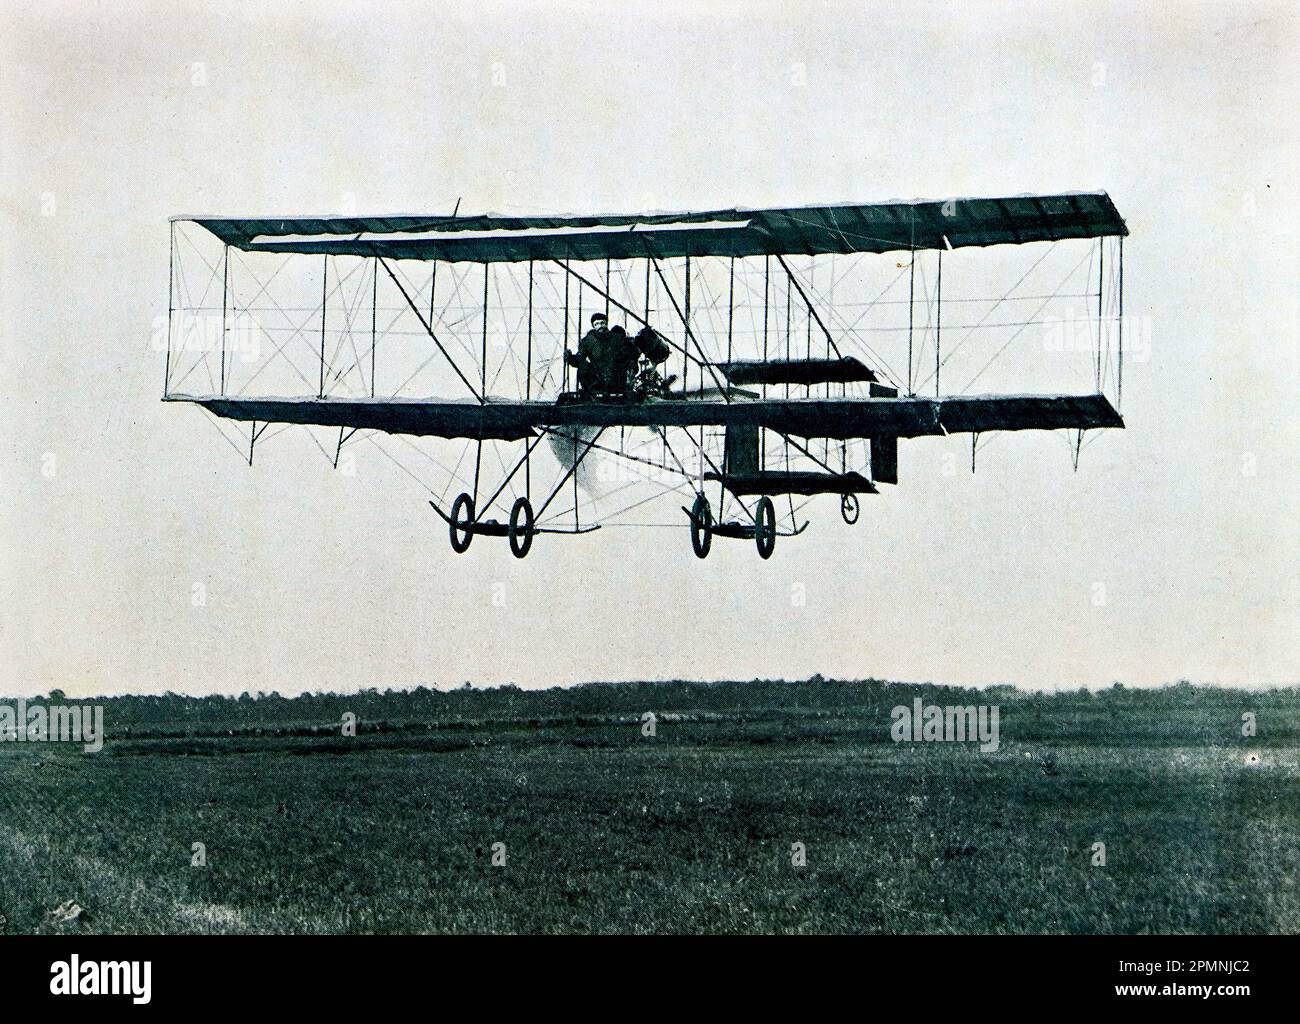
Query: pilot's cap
pixel 598 318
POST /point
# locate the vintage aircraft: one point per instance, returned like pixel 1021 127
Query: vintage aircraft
pixel 775 394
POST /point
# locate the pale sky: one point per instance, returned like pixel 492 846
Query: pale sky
pixel 118 509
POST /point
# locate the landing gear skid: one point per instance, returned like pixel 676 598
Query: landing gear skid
pixel 762 531
pixel 462 526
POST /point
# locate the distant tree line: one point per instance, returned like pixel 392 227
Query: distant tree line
pixel 183 712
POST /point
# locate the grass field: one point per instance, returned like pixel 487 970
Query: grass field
pixel 607 830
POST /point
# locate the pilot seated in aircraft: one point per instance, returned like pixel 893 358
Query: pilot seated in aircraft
pixel 589 360
pixel 605 360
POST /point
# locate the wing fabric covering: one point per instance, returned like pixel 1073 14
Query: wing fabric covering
pixel 839 418
pixel 809 230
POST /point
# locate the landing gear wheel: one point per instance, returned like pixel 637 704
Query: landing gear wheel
pixel 460 521
pixel 765 527
pixel 849 508
pixel 701 526
pixel 521 536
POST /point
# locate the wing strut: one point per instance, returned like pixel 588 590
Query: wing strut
pixel 808 303
pixel 482 399
pixel 690 336
pixel 528 451
pixel 568 473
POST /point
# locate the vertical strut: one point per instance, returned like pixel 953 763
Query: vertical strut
pixel 788 307
pixel 483 366
pixel 1119 389
pixel 731 303
pixel 938 324
pixel 566 325
pixel 787 359
pixel 324 285
pixel 686 321
pixel 528 383
pixel 171 275
pixel 374 318
pixel 225 283
pixel 767 303
pixel 663 433
pixel 911 292
pixel 1101 270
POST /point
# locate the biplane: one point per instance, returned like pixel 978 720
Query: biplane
pixel 449 334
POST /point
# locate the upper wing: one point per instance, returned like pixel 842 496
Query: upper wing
pixel 808 230
pixel 800 417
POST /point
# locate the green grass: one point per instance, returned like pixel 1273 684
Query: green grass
pixel 691 831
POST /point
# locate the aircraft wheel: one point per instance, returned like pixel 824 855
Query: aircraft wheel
pixel 462 517
pixel 521 536
pixel 765 527
pixel 701 526
pixel 849 508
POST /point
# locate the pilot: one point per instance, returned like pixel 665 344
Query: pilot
pixel 591 359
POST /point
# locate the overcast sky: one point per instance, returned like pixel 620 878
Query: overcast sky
pixel 1171 554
